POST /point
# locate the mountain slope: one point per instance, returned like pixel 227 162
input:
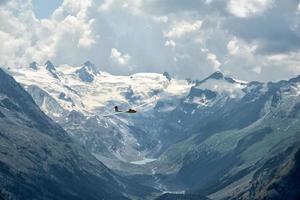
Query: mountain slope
pixel 210 137
pixel 278 178
pixel 81 97
pixel 225 143
pixel 38 160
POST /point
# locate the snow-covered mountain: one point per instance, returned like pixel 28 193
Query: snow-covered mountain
pixel 209 137
pixel 82 98
pixel 224 143
pixel 94 92
pixel 39 160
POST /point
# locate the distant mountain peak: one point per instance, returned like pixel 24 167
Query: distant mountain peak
pixel 216 75
pixel 85 75
pixel 91 66
pixel 295 79
pixel 39 139
pixel 167 75
pixel 33 65
pixel 49 65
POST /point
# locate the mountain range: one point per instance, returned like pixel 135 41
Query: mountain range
pixel 39 160
pixel 216 138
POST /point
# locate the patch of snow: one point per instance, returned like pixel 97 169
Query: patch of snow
pixel 144 161
pixel 233 90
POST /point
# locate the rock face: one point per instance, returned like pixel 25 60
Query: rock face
pixel 50 67
pixel 33 65
pixel 87 72
pixel 169 196
pixel 233 146
pixel 168 76
pixel 85 75
pixel 92 67
pixel 38 160
pixel 278 178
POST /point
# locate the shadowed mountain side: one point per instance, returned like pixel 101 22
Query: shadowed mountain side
pixel 278 178
pixel 169 196
pixel 38 160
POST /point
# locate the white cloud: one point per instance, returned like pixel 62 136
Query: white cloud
pixel 97 30
pixel 242 60
pixel 208 1
pixel 133 6
pixel 87 38
pixel 233 47
pixel 212 58
pixel 163 18
pixel 290 60
pixel 257 70
pixel 248 8
pixel 118 57
pixel 68 29
pixel 236 47
pixel 76 7
pixel 107 5
pixel 181 28
pixel 170 43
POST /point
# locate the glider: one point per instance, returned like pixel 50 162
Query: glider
pixel 131 111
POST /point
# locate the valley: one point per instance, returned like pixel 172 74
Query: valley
pixel 197 139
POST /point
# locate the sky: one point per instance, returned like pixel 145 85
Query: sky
pixel 43 9
pixel 246 39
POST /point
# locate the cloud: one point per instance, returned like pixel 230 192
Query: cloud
pixel 257 70
pixel 3 2
pixel 134 6
pixel 248 8
pixel 182 28
pixel 191 38
pixel 290 60
pixel 233 47
pixel 164 18
pixel 107 5
pixel 212 58
pixel 170 43
pixel 274 30
pixel 118 57
pixel 87 39
pixel 202 7
pixel 236 47
pixel 69 29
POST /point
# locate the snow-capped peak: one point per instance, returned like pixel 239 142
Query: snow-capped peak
pixel 221 85
pixel 78 88
pixel 49 65
pixel 216 75
pixel 85 74
pixel 51 69
pixel 33 65
pixel 91 66
pixel 167 75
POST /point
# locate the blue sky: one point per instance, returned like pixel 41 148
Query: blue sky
pixel 44 8
pixel 246 39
